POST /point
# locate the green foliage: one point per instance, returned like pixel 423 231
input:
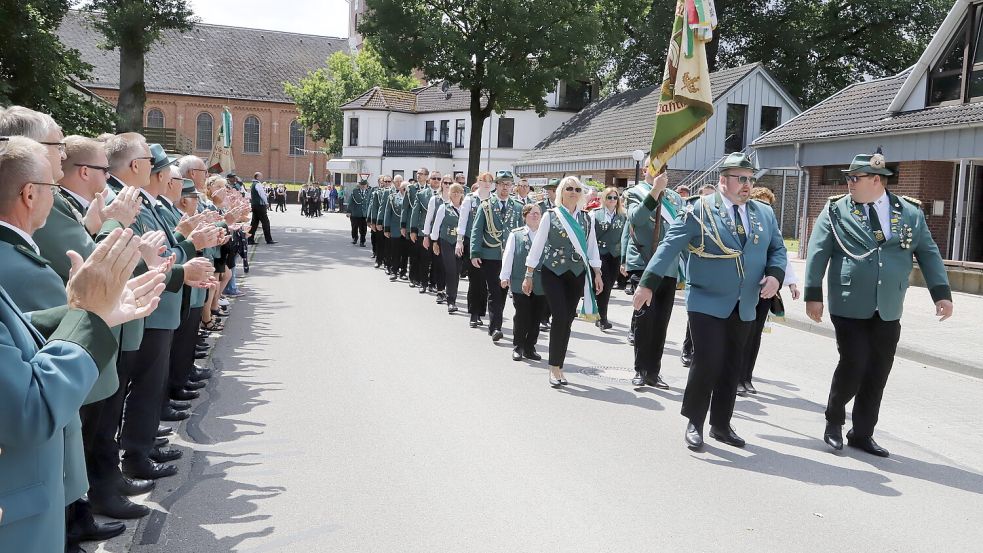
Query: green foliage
pixel 137 24
pixel 506 53
pixel 35 67
pixel 320 95
pixel 813 48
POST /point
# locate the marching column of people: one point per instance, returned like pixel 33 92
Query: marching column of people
pixel 724 247
pixel 103 274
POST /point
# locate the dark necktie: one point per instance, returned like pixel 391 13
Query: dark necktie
pixel 501 209
pixel 741 233
pixel 875 223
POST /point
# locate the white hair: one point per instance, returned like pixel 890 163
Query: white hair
pixel 574 181
pixel 21 121
pixel 21 161
pixel 186 163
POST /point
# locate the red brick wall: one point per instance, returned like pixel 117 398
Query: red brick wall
pixel 926 181
pixel 181 113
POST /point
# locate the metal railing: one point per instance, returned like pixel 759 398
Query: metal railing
pixel 172 141
pixel 416 148
pixel 708 174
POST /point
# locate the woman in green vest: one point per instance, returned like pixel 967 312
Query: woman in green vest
pixel 443 234
pixel 609 221
pixel 528 307
pixel 564 252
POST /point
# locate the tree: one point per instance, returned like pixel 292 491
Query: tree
pixel 505 53
pixel 36 68
pixel 133 26
pixel 320 95
pixel 813 48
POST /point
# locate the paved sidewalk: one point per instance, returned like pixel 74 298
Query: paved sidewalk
pixel 955 344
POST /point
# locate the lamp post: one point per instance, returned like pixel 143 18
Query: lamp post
pixel 638 156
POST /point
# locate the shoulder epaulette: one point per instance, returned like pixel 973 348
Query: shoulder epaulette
pixel 836 197
pixel 915 201
pixel 32 255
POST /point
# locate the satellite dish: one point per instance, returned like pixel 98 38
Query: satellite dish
pixel 445 87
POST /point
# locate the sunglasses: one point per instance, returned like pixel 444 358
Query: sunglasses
pixel 387 180
pixel 854 179
pixel 55 188
pixel 610 197
pixel 743 180
pixel 572 189
pixel 96 167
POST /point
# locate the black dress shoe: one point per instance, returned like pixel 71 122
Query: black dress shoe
pixel 741 389
pixel 686 360
pixel 193 386
pixel 631 338
pixel 160 442
pixel 201 354
pixel 165 455
pixel 531 354
pixel 727 436
pixel 117 506
pixel 656 382
pixel 181 394
pixel 173 415
pixel 451 309
pixel 164 431
pixel 517 354
pixel 497 335
pixel 393 278
pixel 403 277
pixel 544 326
pixel 271 242
pixel 480 322
pixel 833 436
pixel 750 387
pixel 441 297
pixel 694 436
pixel 179 405
pixel 199 374
pixel 638 380
pixel 867 444
pixel 147 469
pixel 134 486
pixel 604 325
pixel 82 526
pixel 413 285
pixel 473 323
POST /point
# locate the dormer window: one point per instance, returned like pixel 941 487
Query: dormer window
pixel 957 77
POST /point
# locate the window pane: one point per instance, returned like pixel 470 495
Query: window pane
pixel 428 135
pixel 978 58
pixel 203 132
pixel 459 133
pixel 771 117
pixel 944 89
pixel 155 119
pixel 506 132
pixel 976 84
pixel 445 130
pixel 297 138
pixel 353 131
pixel 250 135
pixel 953 59
pixel 736 128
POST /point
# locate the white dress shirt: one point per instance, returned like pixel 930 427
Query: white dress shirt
pixel 431 215
pixel 462 226
pixel 261 190
pixel 539 243
pixel 606 216
pixel 82 201
pixel 24 235
pixel 882 206
pixel 438 219
pixel 729 205
pixel 509 254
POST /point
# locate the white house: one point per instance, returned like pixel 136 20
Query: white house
pixel 390 132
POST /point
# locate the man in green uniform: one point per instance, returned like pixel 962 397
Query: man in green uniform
pixel 429 265
pixel 737 255
pixel 497 217
pixel 358 209
pixel 411 203
pixel 867 239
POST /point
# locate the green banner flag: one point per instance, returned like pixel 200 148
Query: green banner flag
pixel 686 102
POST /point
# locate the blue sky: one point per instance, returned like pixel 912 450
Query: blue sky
pixel 316 17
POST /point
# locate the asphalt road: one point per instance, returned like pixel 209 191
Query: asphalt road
pixel 352 414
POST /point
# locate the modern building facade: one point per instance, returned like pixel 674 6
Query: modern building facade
pixel 191 76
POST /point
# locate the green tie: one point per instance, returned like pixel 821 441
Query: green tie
pixel 741 234
pixel 875 223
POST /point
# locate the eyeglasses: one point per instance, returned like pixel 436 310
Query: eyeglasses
pixel 96 167
pixel 572 189
pixel 148 158
pixel 434 178
pixel 610 197
pixel 387 181
pixel 743 179
pixel 854 179
pixel 447 182
pixel 59 145
pixel 55 188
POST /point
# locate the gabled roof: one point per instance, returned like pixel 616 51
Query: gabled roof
pixel 424 99
pixel 621 123
pixel 209 60
pixel 861 109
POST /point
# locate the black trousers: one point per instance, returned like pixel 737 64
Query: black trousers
pixel 398 254
pixel 182 359
pixel 490 269
pixel 477 287
pixel 609 272
pixel 754 339
pixel 563 294
pixel 525 322
pixel 650 323
pixel 148 368
pixel 425 260
pixel 688 343
pixel 452 267
pixel 281 204
pixel 99 444
pixel 437 272
pixel 260 217
pixel 413 258
pixel 867 348
pixel 358 230
pixel 717 362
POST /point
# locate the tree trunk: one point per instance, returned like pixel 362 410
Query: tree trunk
pixel 478 116
pixel 132 92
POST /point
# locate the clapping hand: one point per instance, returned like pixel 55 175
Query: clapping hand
pixel 124 208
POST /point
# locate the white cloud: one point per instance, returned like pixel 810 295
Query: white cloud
pixel 316 17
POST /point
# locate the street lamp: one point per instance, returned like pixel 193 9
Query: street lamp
pixel 638 156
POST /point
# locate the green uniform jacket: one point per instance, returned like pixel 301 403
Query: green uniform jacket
pixel 642 213
pixel 717 285
pixel 410 200
pixel 358 202
pixel 522 242
pixel 42 386
pixel 63 231
pixel 865 277
pixel 382 204
pixel 609 233
pixel 153 216
pixel 392 214
pixel 491 226
pixel 419 215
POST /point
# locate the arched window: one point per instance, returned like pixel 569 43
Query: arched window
pixel 203 132
pixel 155 119
pixel 297 139
pixel 250 135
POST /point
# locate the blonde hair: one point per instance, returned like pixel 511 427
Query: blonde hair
pixel 527 208
pixel 455 188
pixel 571 180
pixel 79 149
pixel 620 207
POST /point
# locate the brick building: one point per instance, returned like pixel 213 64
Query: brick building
pixel 191 76
pixel 928 121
